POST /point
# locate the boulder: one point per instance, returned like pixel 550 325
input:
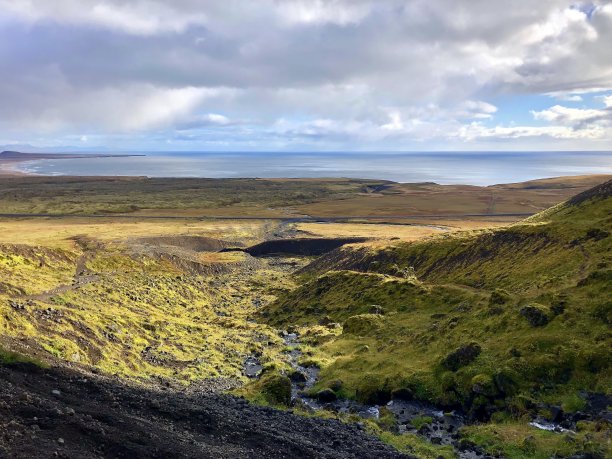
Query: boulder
pixel 276 389
pixel 536 314
pixel 555 414
pixel 362 324
pixel 462 356
pixel 326 396
pixel 499 296
pixel 297 377
pixel 403 393
pixel 336 385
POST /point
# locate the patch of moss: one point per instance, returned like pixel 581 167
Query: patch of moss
pixel 516 440
pixel 420 421
pixel 272 389
pixel 136 316
pixel 415 445
pixel 10 357
pixel 362 324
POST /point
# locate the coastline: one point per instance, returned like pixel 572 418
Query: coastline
pixel 10 159
pixel 8 168
pixel 210 166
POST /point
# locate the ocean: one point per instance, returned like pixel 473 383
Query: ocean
pixel 475 168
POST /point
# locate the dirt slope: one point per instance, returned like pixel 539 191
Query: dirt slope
pixel 60 413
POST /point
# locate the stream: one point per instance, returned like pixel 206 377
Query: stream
pixel 443 429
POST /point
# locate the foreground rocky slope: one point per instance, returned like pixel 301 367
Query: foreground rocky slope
pixel 61 413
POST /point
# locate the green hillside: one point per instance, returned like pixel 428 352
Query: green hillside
pixel 502 323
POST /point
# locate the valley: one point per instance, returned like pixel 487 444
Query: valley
pixel 336 318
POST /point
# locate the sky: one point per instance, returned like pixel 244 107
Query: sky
pixel 297 75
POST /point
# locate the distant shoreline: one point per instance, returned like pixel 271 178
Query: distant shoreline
pixel 9 160
pixel 474 168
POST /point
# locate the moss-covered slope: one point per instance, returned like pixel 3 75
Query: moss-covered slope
pixel 133 314
pixel 500 320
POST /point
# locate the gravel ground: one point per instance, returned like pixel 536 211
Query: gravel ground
pixel 59 412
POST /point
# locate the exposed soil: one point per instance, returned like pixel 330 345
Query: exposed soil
pixel 61 413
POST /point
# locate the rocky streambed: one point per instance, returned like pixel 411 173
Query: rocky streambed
pixel 439 427
pixel 410 416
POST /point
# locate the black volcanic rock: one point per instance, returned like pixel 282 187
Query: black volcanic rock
pixel 101 417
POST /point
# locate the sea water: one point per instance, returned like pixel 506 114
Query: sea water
pixel 476 168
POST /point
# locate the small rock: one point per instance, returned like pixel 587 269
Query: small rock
pixel 326 396
pixel 536 315
pixel 297 377
pixel 60 441
pixel 56 392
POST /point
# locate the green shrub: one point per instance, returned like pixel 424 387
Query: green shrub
pixel 362 324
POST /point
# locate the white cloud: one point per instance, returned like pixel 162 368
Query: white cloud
pixel 200 121
pixel 159 107
pixel 118 109
pixel 566 96
pixel 324 11
pixel 139 18
pixel 475 131
pixel 570 116
pixel 395 122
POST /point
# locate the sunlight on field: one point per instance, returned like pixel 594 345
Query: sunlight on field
pixel 57 232
pixel 404 232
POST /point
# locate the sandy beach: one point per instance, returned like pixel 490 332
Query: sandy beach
pixel 8 168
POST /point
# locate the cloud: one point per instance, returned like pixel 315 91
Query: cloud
pixel 134 107
pixel 336 71
pixel 566 96
pixel 478 131
pixel 572 116
pixel 209 119
pixel 138 18
pixel 323 12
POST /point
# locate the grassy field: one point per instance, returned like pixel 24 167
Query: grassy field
pixel 450 290
pixel 54 232
pixel 172 196
pixel 432 199
pixel 276 198
pixel 379 231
